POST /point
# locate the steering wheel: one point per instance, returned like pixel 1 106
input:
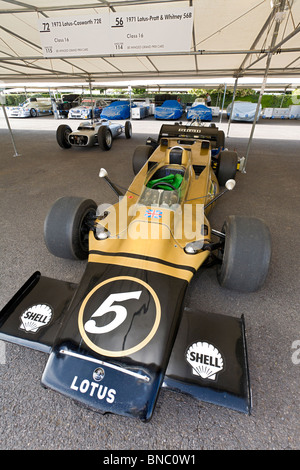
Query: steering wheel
pixel 164 184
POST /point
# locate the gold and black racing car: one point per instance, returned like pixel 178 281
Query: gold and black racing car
pixel 123 332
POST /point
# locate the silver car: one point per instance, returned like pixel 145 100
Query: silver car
pixel 97 132
pixel 88 109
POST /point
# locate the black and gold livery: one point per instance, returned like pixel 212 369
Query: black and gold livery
pixel 122 333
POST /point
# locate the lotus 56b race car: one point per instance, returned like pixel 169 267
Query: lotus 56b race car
pixel 96 132
pixel 120 334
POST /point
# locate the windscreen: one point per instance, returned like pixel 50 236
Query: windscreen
pixel 166 188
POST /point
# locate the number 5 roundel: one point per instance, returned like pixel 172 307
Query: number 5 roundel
pixel 119 316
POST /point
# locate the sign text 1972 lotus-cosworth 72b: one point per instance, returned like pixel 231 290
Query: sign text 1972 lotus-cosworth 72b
pixel 123 332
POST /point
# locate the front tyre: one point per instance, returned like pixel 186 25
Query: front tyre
pixel 66 227
pixel 227 166
pixel 246 254
pixel 105 138
pixel 128 129
pixel 62 136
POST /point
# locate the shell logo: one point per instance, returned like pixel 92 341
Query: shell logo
pixel 206 361
pixel 35 317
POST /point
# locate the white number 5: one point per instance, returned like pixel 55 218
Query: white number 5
pixel 107 306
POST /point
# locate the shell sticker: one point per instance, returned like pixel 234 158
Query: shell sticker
pixel 35 317
pixel 206 361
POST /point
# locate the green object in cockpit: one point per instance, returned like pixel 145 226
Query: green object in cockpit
pixel 167 183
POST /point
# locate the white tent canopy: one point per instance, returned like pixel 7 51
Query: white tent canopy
pixel 229 38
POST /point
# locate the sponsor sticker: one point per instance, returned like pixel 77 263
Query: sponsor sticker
pixel 205 359
pixel 93 389
pixel 35 317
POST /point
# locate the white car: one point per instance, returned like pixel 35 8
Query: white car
pixel 199 101
pixel 243 111
pixel 88 109
pixel 89 133
pixel 32 107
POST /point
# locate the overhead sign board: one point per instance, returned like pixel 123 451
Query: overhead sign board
pixel 149 31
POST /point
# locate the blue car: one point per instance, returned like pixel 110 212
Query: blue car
pixel 199 112
pixel 117 110
pixel 170 109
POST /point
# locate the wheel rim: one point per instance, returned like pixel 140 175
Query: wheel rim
pixel 108 138
pixel 221 250
pixel 85 230
pixel 66 134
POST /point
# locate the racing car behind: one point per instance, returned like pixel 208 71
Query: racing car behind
pixel 96 132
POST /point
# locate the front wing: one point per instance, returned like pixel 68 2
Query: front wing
pixel 121 334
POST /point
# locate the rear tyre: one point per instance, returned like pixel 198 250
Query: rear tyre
pixel 66 227
pixel 62 136
pixel 140 157
pixel 226 167
pixel 246 254
pixel 105 138
pixel 218 135
pixel 128 129
pixel 220 140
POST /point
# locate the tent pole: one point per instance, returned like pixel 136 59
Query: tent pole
pixel 129 89
pixel 223 102
pixel 10 131
pixel 91 95
pixel 283 96
pixel 232 103
pixel 257 111
pixel 269 57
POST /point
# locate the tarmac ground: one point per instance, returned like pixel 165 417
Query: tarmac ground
pixel 34 418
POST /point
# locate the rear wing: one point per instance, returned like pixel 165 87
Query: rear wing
pixel 213 134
